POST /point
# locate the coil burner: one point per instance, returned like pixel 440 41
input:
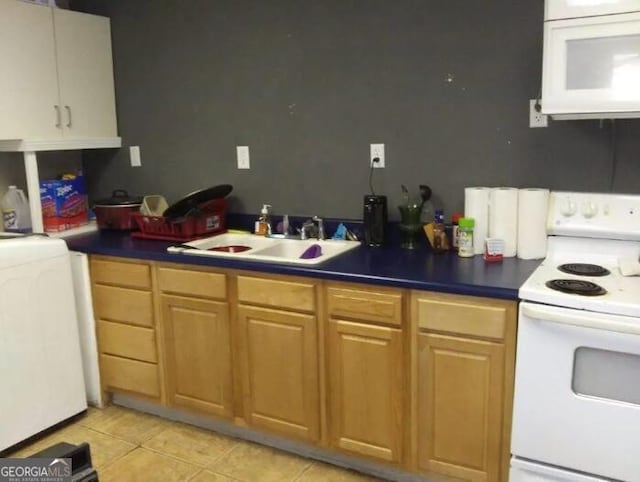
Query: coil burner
pixel 584 269
pixel 576 287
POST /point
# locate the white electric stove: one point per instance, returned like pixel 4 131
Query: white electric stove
pixel 577 391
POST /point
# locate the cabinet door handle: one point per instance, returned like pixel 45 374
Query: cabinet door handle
pixel 68 115
pixel 58 116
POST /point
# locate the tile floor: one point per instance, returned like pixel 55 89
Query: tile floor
pixel 130 446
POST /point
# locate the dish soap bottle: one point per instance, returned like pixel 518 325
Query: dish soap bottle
pixel 263 224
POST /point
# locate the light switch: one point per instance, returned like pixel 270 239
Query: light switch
pixel 134 156
pixel 242 153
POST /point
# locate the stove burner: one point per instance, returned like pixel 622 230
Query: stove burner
pixel 584 269
pixel 576 286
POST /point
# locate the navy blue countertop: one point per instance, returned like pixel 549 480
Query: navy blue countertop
pixel 388 266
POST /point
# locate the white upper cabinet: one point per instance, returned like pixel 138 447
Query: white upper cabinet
pixel 591 65
pixel 559 9
pixel 85 74
pixel 28 83
pixel 57 83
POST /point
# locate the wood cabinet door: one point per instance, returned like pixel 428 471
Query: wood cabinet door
pixel 198 354
pixel 28 84
pixel 279 366
pixel 85 73
pixel 365 389
pixel 460 389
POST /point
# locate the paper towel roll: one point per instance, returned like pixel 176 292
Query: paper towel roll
pixel 532 223
pixel 476 206
pixel 503 218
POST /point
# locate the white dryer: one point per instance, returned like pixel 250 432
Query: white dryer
pixel 41 378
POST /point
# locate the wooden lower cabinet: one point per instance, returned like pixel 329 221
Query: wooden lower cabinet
pixel 460 388
pixel 197 354
pixel 279 365
pixel 365 390
pixel 126 327
pixel 132 376
pixel 420 381
pixel 466 361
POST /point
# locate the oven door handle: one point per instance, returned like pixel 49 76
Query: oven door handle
pixel 578 319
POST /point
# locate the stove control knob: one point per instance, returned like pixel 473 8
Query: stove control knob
pixel 568 208
pixel 589 209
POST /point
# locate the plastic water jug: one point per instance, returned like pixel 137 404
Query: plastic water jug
pixel 15 211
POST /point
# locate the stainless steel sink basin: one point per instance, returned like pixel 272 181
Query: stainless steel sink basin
pixel 258 248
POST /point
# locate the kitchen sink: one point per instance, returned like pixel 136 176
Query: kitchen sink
pixel 259 248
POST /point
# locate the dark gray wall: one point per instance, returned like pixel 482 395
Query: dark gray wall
pixel 308 85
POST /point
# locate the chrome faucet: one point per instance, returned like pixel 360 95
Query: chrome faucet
pixel 304 229
pixel 308 228
pixel 320 222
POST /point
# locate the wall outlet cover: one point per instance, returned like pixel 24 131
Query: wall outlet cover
pixel 377 151
pixel 537 118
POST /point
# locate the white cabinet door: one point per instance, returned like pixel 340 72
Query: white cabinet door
pixel 28 83
pixel 85 72
pixel 559 9
pixel 592 65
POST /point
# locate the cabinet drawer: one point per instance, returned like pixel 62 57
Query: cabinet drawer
pixel 127 341
pixel 192 283
pixel 131 275
pixel 367 305
pixel 123 304
pixel 463 315
pixel 130 375
pixel 276 293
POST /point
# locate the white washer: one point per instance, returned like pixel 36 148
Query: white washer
pixel 41 374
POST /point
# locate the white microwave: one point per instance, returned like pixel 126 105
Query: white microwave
pixel 591 59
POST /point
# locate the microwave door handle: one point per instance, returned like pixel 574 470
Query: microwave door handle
pixel 578 319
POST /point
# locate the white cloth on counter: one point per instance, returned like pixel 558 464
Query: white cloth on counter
pixel 629 266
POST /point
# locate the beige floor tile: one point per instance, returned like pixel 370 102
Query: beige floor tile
pixel 191 444
pixel 41 443
pixel 142 465
pixel 254 463
pixel 104 448
pixel 129 425
pixel 320 472
pixel 208 476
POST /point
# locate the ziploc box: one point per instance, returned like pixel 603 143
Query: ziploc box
pixel 64 204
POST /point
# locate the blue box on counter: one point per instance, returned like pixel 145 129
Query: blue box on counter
pixel 64 204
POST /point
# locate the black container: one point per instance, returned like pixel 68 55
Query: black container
pixel 375 219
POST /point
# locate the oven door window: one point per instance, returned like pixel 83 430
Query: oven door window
pixel 606 374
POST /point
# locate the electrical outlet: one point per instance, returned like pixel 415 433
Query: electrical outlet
pixel 134 156
pixel 377 150
pixel 536 118
pixel 242 153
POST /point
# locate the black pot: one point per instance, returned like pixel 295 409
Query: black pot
pixel 115 212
